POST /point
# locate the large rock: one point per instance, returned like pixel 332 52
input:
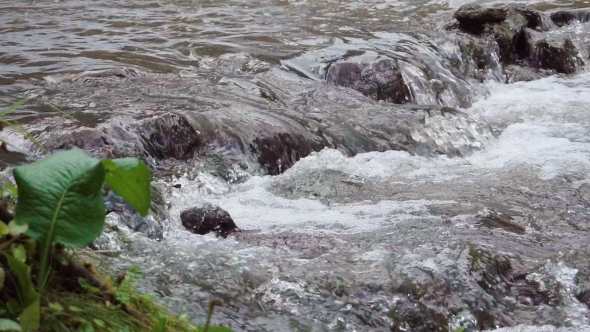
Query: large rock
pixel 552 52
pixel 158 137
pixel 565 17
pixel 280 152
pixel 124 215
pixel 473 18
pixel 169 136
pixel 521 36
pixel 380 80
pixel 207 219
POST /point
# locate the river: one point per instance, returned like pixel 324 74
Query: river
pixel 466 206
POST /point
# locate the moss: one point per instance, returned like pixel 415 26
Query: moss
pixel 78 297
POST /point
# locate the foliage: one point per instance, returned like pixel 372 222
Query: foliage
pixel 59 206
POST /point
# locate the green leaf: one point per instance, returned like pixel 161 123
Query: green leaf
pixel 99 323
pixel 75 309
pixel 17 229
pixel 2 276
pixel 4 229
pixel 56 306
pixel 26 290
pixel 13 107
pixel 86 327
pixel 123 297
pixel 30 318
pixel 59 198
pixel 130 179
pixel 19 252
pixel 160 326
pixel 8 189
pixel 9 325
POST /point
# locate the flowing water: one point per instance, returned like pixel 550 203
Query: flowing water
pixel 397 218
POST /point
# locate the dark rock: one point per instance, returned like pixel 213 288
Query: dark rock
pixel 169 136
pixel 519 34
pixel 88 139
pixel 584 297
pixel 381 80
pixel 565 17
pixel 553 52
pixel 472 18
pixel 280 152
pixel 208 219
pixel 500 220
pixel 126 216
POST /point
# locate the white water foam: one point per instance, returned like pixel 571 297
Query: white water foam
pixel 546 130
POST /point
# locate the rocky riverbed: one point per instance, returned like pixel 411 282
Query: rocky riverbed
pixel 361 166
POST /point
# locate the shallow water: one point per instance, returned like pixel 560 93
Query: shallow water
pixel 483 215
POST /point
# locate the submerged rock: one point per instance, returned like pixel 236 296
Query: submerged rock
pixel 516 73
pixel 380 80
pixel 207 219
pixel 208 122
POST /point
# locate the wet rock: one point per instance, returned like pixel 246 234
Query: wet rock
pixel 89 139
pixel 584 297
pixel 520 35
pixel 500 220
pixel 103 77
pixel 514 73
pixel 246 130
pixel 555 53
pixel 565 17
pixel 125 215
pixel 473 18
pixel 381 80
pixel 499 278
pixel 169 136
pixel 279 152
pixel 207 219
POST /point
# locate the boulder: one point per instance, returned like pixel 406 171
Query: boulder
pixel 381 80
pixel 520 34
pixel 473 18
pixel 553 52
pixel 207 219
pixel 565 17
pixel 280 152
pixel 168 136
pixel 125 215
pixel 89 139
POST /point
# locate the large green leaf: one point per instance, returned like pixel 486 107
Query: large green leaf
pixel 9 325
pixel 59 197
pixel 130 179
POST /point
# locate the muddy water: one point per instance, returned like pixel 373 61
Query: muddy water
pixel 475 219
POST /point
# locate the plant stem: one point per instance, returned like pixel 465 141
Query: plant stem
pixel 43 270
pixel 6 244
pixel 209 315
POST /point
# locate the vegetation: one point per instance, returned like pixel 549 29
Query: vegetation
pixel 58 207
